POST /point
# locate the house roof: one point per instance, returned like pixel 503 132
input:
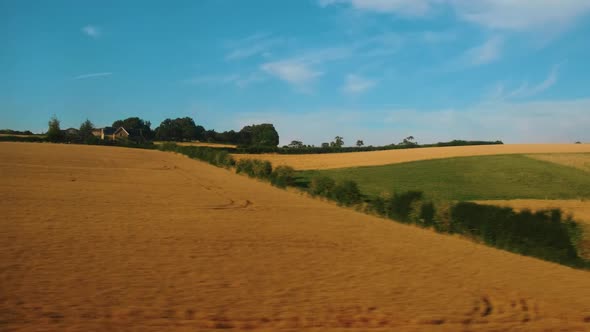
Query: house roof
pixel 120 129
pixel 130 132
pixel 109 130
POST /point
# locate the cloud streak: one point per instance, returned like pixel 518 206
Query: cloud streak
pixel 93 75
pixel 525 90
pixel 489 51
pixel 402 7
pixel 254 45
pixel 515 15
pixel 237 79
pixel 355 84
pixel 92 31
pixel 294 72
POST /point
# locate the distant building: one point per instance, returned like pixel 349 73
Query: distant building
pixel 104 133
pixel 120 133
pixel 71 131
pixel 129 134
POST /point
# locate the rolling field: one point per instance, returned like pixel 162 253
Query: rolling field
pixel 375 158
pixel 99 238
pixel 470 178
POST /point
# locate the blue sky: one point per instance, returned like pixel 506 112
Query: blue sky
pixel 377 70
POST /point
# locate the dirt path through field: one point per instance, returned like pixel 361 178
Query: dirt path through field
pixel 374 158
pixel 112 239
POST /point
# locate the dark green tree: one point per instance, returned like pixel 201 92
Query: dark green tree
pixel 259 135
pixel 135 123
pixel 338 142
pixel 85 132
pixel 179 129
pixel 296 144
pixel 54 133
pixel 360 143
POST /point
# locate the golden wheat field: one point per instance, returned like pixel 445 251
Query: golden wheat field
pixel 576 160
pixel 374 158
pixel 110 239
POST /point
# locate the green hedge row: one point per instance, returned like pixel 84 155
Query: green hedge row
pixel 344 192
pixel 216 157
pixel 545 234
pixel 282 176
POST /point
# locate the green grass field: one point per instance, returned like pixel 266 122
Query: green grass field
pixel 469 178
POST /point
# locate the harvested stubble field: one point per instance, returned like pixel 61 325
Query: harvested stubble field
pixel 375 158
pixel 111 239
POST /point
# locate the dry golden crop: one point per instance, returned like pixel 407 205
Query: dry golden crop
pixel 373 158
pixel 111 239
pixel 576 160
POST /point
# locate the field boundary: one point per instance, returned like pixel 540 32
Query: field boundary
pixel 554 239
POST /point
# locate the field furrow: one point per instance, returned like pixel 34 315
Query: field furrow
pixel 112 239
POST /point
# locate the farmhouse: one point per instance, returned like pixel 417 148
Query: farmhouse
pixel 120 133
pixel 104 133
pixel 70 131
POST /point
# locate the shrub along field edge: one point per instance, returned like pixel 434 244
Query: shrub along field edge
pixel 544 234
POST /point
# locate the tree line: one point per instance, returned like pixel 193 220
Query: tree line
pixel 176 130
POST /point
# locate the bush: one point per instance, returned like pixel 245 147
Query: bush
pixel 321 186
pixel 542 234
pixel 378 206
pixel 442 217
pixel 244 166
pixel 283 176
pixel 223 159
pixel 346 193
pixel 400 205
pixel 168 146
pixel 261 169
pixel 422 213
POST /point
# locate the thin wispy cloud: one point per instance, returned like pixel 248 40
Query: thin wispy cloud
pixel 519 15
pixel 254 45
pixel 297 73
pixel 526 90
pixel 92 31
pixel 355 84
pixel 489 51
pixel 240 80
pixel 93 75
pixel 402 7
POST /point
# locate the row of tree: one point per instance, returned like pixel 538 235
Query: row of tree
pixel 338 142
pixel 179 129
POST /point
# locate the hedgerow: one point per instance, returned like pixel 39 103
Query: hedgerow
pixel 544 234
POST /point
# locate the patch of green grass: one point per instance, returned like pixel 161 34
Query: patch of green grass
pixel 468 178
